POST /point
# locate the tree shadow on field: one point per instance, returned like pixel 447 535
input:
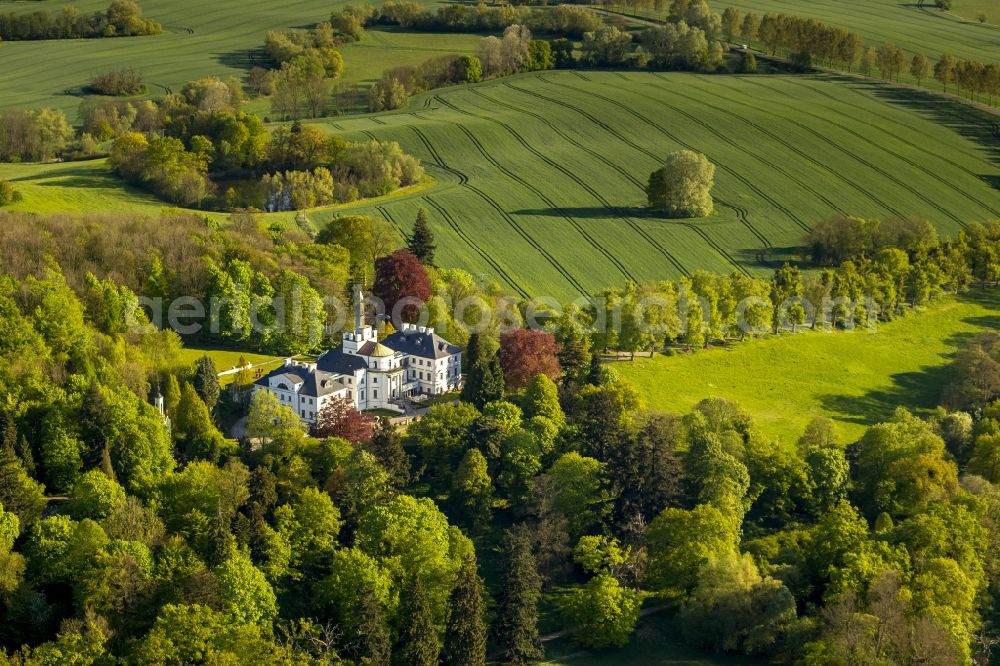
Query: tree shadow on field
pixel 637 212
pixel 81 178
pixel 975 125
pixel 919 389
pixel 244 58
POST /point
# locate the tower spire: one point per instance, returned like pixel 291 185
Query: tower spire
pixel 359 310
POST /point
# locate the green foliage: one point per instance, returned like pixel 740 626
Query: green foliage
pixel 603 614
pixel 734 608
pixel 902 468
pixel 465 634
pixel 681 542
pixel 516 624
pixel 421 241
pixel 94 496
pixel 472 490
pixel 580 493
pixel 412 538
pixel 682 188
pixel 417 644
pixel 247 597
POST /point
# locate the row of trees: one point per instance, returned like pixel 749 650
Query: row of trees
pixel 808 42
pixel 882 270
pixel 562 20
pixel 33 135
pixel 122 18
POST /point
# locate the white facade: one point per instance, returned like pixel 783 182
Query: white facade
pixel 369 373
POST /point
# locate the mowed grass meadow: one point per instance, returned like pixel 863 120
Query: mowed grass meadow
pixel 856 378
pixel 199 39
pixel 541 176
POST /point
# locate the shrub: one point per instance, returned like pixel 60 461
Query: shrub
pixel 118 83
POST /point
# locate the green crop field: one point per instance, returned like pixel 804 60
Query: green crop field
pixel 199 40
pixel 538 178
pixel 916 29
pixel 856 378
pixel 541 176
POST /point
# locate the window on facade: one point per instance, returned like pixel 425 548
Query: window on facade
pixel 375 394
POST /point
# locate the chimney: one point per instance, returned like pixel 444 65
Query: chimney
pixel 430 330
pixel 422 329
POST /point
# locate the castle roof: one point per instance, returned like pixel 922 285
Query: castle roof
pixel 425 343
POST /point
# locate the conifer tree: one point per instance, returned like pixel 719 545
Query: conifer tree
pixel 387 446
pixel 206 382
pixel 373 641
pixel 465 635
pixel 484 383
pixel 417 644
pixel 422 240
pixel 517 616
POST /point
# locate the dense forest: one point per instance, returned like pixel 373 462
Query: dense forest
pixel 131 536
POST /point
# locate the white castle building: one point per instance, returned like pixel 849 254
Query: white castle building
pixel 369 373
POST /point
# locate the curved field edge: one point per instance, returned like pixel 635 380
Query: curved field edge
pixel 551 167
pixel 856 378
pixel 538 178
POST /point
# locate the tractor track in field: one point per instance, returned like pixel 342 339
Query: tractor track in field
pixel 741 213
pixel 819 135
pixel 722 137
pixel 562 211
pixel 805 156
pixel 721 165
pixel 906 142
pixel 745 219
pixel 446 216
pixel 464 180
pixel 391 220
pixel 616 210
pixel 504 215
pixel 625 174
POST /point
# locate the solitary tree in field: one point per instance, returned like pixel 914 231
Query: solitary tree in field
pixel 944 70
pixel 683 187
pixel 920 67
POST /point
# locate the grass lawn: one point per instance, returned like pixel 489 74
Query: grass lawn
pixel 227 359
pixel 856 378
pixel 87 186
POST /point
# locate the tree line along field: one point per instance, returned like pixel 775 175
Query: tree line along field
pixel 198 40
pixel 915 29
pixel 541 176
pixel 856 378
